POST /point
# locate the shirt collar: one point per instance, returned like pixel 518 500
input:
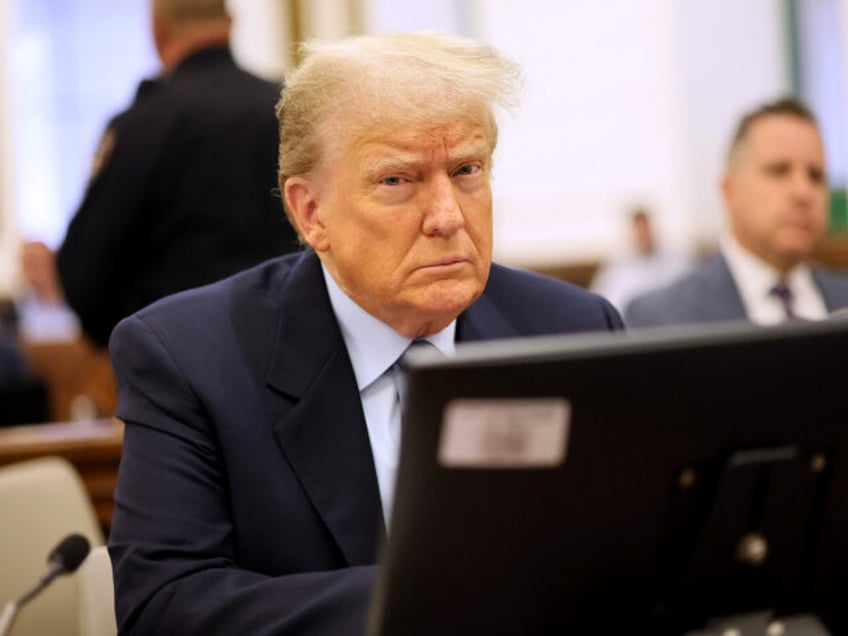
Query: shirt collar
pixel 754 277
pixel 372 345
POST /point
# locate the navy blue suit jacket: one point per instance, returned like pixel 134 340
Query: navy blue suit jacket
pixel 247 501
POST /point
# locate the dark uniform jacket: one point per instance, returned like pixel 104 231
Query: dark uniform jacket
pixel 182 193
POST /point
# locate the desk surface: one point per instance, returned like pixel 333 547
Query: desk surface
pixel 93 447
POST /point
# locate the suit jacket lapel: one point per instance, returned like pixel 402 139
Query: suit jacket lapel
pixel 720 299
pixel 322 431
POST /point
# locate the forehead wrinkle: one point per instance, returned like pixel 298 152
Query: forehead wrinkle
pixel 380 156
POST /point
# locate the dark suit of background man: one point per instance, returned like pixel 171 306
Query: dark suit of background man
pixel 13 366
pixel 775 193
pixel 261 412
pixel 182 187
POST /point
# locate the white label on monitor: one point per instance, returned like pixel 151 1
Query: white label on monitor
pixel 505 433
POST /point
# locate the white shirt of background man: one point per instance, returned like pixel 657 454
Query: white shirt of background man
pixel 755 280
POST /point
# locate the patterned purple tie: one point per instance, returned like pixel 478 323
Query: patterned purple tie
pixel 784 294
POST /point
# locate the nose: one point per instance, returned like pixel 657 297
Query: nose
pixel 804 186
pixel 443 214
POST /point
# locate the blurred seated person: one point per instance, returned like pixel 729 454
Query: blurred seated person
pixel 42 313
pixel 776 198
pixel 13 365
pixel 645 265
pixel 23 398
pixel 262 412
pixel 77 374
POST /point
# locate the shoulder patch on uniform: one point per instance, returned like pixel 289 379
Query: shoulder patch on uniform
pixel 103 153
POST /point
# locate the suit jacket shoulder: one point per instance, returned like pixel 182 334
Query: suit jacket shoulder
pixel 534 304
pixel 708 293
pixel 243 422
pixel 834 288
pixel 514 303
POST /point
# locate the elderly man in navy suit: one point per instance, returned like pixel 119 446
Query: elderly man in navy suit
pixel 261 412
pixel 775 192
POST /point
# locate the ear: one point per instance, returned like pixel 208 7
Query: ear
pixel 727 189
pixel 160 30
pixel 302 198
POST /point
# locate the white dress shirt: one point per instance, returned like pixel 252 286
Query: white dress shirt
pixel 622 279
pixel 755 280
pixel 43 321
pixel 374 348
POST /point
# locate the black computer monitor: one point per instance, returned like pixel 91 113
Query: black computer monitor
pixel 621 483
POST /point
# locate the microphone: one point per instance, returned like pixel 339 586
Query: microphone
pixel 65 558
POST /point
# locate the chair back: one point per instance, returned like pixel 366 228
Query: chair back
pixel 96 595
pixel 42 501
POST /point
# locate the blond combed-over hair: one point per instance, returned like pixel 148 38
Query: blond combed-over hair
pixel 364 84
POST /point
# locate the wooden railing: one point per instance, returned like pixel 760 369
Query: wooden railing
pixel 831 253
pixel 93 447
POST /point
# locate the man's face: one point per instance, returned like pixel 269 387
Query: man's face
pixel 404 222
pixel 775 190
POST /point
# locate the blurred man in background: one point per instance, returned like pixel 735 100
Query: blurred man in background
pixel 181 191
pixel 13 366
pixel 23 399
pixel 776 196
pixel 42 313
pixel 643 265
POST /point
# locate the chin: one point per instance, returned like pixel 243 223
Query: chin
pixel 800 248
pixel 451 299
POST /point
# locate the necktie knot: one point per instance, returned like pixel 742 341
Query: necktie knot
pixel 784 295
pixel 398 367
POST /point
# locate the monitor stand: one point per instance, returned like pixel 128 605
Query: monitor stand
pixel 743 531
pixel 763 624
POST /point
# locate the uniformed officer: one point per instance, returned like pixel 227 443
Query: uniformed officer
pixel 182 185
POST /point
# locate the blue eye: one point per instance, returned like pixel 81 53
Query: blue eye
pixel 467 169
pixel 390 181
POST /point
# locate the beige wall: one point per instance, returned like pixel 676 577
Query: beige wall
pixel 626 101
pixel 260 29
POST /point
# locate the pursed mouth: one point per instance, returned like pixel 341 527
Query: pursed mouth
pixel 445 262
pixel 803 225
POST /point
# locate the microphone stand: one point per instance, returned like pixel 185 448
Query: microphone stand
pixel 10 612
pixel 64 559
pixel 7 619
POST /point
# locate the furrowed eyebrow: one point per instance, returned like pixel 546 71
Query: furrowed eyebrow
pixel 402 162
pixel 392 164
pixel 477 150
